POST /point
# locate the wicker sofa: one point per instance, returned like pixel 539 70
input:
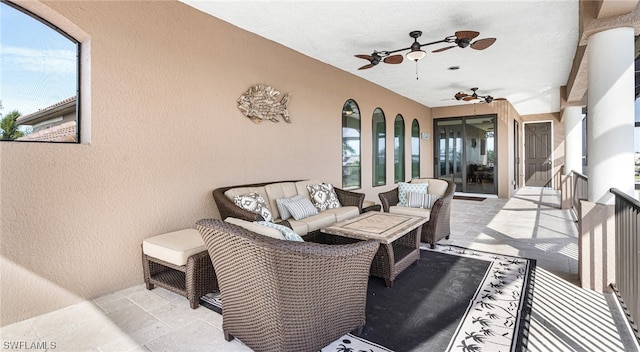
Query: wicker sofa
pixel 439 224
pixel 287 296
pixel 352 205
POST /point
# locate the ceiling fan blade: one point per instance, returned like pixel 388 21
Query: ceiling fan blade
pixel 394 59
pixel 443 49
pixel 469 98
pixel 460 95
pixel 366 67
pixel 500 99
pixel 366 57
pixel 483 43
pixel 467 34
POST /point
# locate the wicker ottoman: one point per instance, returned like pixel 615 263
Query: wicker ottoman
pixel 179 262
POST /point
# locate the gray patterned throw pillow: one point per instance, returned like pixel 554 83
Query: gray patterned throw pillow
pixel 323 196
pixel 254 203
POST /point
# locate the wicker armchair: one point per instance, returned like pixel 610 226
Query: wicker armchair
pixel 287 296
pixel 439 224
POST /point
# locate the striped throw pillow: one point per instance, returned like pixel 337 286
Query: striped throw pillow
pixel 404 188
pixel 284 212
pixel 301 208
pixel 421 200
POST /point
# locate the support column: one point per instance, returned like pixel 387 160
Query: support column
pixel 610 120
pixel 572 117
pixel 610 150
pixel 572 139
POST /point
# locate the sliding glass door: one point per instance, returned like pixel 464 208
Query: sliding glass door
pixel 466 152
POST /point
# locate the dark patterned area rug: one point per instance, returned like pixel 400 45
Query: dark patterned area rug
pixel 452 299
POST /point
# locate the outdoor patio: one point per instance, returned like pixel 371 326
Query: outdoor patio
pixel 564 317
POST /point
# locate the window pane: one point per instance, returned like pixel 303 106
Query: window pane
pixel 398 160
pixel 38 80
pixel 637 144
pixel 379 148
pixel 415 149
pixel 350 145
pixel 637 155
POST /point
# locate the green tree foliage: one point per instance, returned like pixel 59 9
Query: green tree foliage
pixel 9 128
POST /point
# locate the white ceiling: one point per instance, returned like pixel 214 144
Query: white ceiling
pixel 529 62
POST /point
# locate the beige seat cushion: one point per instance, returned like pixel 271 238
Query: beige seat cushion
pixel 298 227
pixel 239 191
pixel 174 247
pixel 257 228
pixel 367 203
pixel 301 187
pixel 436 186
pixel 314 222
pixel 395 209
pixel 344 213
pixel 276 191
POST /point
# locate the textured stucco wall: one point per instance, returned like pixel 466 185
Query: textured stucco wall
pixel 165 131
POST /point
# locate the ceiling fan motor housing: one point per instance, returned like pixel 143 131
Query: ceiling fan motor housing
pixel 463 42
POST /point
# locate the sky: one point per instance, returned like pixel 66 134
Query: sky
pixel 37 64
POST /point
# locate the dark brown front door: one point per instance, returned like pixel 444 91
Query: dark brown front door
pixel 537 161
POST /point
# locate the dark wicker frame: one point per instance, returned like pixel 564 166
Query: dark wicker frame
pixel 228 208
pixel 439 224
pixel 283 295
pixel 192 280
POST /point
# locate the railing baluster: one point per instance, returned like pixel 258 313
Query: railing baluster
pixel 627 283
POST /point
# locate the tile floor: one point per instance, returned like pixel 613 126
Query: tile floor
pixel 564 317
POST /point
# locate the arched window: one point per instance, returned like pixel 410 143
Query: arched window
pixel 351 145
pixel 398 146
pixel 379 148
pixel 415 149
pixel 40 79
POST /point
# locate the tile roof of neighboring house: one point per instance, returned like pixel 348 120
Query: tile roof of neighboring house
pixel 65 132
pixel 64 106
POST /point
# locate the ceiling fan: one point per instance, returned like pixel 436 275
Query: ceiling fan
pixel 475 96
pixel 462 39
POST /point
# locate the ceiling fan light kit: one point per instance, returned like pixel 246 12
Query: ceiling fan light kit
pixel 416 54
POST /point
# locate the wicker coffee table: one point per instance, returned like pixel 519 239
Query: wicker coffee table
pixel 399 237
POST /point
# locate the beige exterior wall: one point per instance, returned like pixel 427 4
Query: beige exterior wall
pixel 165 131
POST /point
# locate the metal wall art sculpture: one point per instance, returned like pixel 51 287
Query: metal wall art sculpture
pixel 260 103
